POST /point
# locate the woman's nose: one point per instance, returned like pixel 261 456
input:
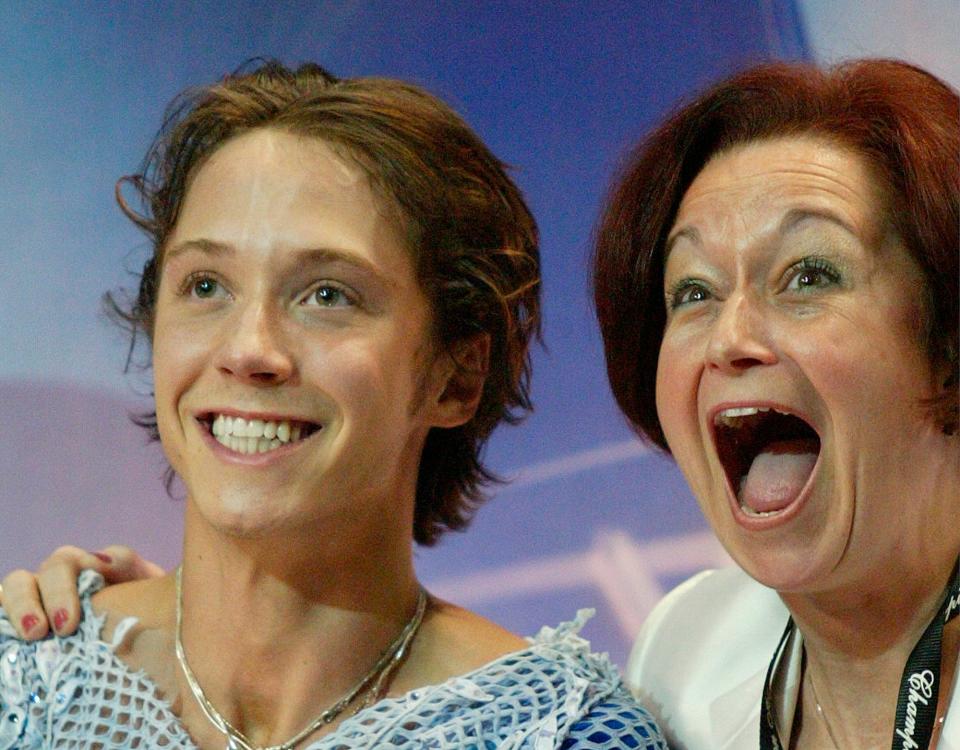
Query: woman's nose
pixel 740 337
pixel 254 347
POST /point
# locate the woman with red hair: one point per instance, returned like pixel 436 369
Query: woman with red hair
pixel 776 280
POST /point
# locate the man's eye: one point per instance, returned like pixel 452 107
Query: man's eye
pixel 202 286
pixel 328 295
pixel 205 288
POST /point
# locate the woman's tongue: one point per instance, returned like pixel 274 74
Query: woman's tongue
pixel 777 475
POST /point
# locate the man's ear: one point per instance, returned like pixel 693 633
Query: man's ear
pixel 464 370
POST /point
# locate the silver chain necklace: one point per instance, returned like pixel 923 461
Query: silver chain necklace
pixel 822 714
pixel 374 682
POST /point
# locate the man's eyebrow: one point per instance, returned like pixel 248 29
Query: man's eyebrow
pixel 318 255
pixel 299 256
pixel 208 247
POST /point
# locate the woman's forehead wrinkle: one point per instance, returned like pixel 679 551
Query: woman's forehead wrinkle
pixel 826 190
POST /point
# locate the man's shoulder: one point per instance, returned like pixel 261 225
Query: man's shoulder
pixel 38 680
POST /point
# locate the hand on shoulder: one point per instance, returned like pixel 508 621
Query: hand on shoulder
pixel 37 602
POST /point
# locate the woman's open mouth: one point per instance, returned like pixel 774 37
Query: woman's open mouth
pixel 248 436
pixel 768 456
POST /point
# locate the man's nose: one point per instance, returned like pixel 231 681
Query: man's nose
pixel 254 347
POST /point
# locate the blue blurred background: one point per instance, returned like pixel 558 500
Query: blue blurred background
pixel 558 89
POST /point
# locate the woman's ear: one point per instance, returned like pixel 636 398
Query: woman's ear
pixel 463 369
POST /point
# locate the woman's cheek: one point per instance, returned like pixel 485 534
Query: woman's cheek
pixel 676 395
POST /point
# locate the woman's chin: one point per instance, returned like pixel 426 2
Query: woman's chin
pixel 794 549
pixel 786 570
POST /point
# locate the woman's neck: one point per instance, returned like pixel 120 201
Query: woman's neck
pixel 857 643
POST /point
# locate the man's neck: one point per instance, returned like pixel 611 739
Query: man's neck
pixel 276 632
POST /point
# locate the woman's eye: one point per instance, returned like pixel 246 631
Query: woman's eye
pixel 812 273
pixel 687 292
pixel 328 295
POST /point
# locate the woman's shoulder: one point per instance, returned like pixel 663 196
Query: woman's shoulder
pixel 714 604
pixel 717 611
pixel 593 708
pixel 704 650
pixel 149 601
pixel 457 642
pixel 452 641
pixel 615 722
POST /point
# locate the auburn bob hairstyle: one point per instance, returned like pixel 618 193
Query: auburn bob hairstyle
pixel 902 120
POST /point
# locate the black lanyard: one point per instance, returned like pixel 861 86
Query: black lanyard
pixel 919 686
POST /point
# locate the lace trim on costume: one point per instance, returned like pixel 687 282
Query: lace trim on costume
pixel 76 693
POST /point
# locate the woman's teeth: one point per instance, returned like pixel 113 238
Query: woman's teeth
pixel 729 417
pixel 253 435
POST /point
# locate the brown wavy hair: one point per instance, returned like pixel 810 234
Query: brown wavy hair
pixel 473 240
pixel 904 121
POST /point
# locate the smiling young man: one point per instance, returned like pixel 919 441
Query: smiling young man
pixel 288 306
pixel 342 292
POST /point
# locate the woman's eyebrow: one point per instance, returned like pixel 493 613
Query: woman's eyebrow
pixel 297 258
pixel 795 218
pixel 687 233
pixel 322 255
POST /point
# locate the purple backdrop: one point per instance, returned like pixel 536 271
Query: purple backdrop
pixel 557 89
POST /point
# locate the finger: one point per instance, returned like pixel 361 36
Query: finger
pixel 57 582
pixel 21 601
pixel 126 565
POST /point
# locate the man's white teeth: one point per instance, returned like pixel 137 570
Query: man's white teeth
pixel 248 444
pixel 254 435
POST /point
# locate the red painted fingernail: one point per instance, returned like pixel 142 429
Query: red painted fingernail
pixel 29 622
pixel 103 557
pixel 59 618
